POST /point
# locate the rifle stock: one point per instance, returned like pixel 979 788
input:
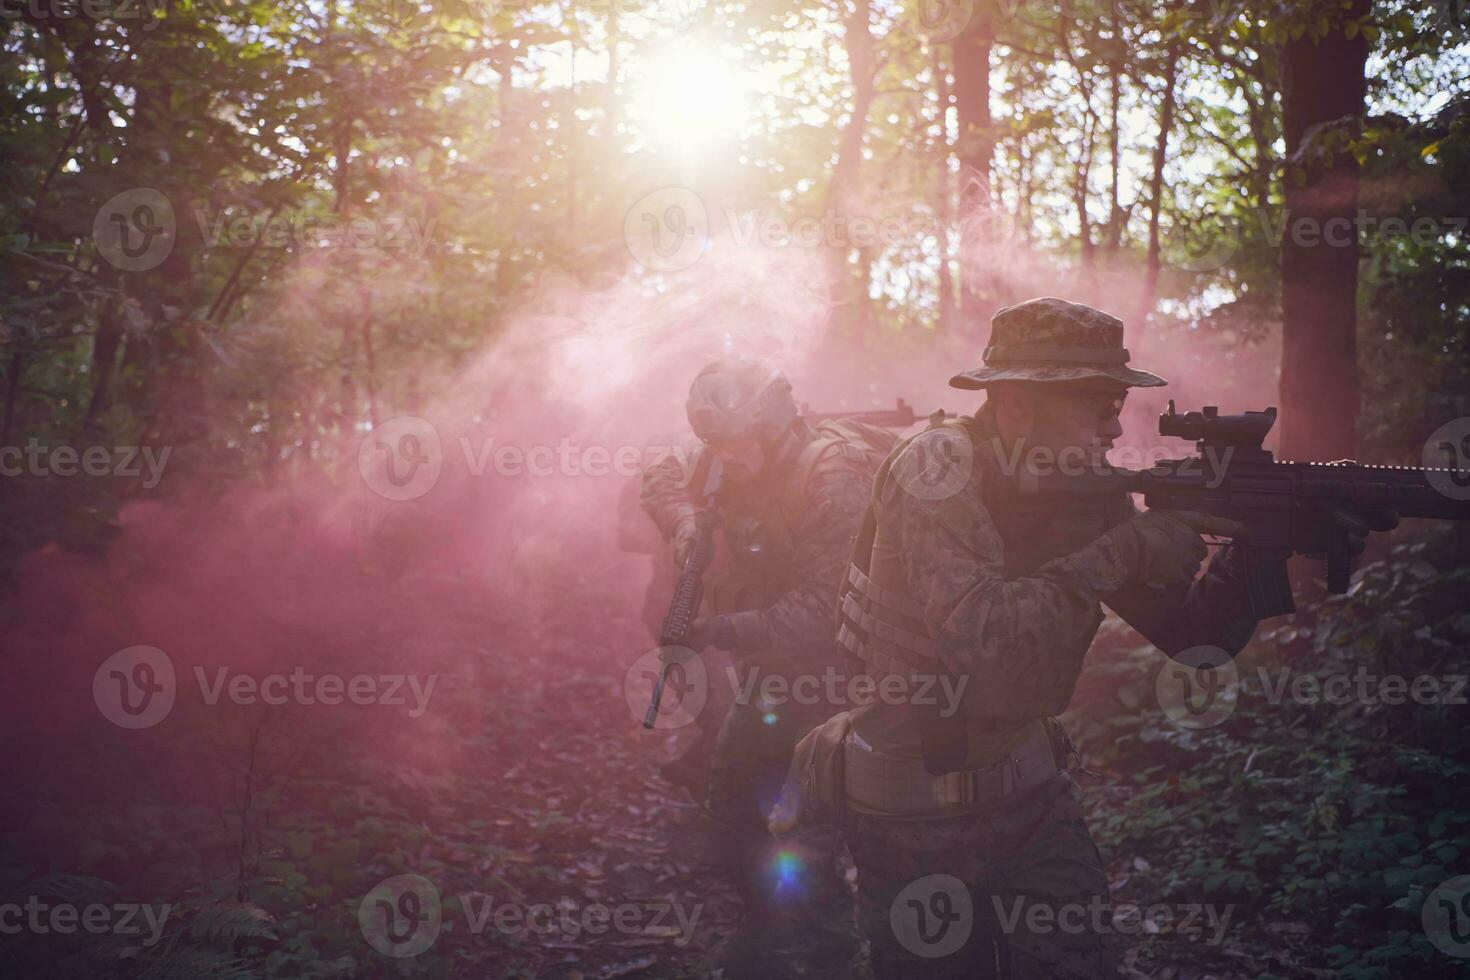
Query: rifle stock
pixel 900 416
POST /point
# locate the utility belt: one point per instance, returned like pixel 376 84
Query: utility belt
pixel 883 785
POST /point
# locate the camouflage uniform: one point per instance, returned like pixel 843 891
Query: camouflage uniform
pixel 784 546
pixel 1006 592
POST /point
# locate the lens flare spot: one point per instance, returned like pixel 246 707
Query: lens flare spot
pixel 769 717
pixel 787 867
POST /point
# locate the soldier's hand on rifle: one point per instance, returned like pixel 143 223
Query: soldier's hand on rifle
pixel 1357 525
pixel 686 532
pixel 1164 547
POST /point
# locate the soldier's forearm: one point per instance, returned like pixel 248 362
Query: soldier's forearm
pixel 796 624
pixel 750 630
pixel 985 620
pixel 1001 623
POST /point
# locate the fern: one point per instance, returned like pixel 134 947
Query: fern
pixel 231 921
pixel 77 889
pixel 193 963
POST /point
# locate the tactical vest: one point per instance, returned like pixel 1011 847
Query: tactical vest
pixel 756 566
pixel 884 627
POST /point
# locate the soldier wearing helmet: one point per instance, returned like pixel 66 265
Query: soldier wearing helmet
pixel 792 497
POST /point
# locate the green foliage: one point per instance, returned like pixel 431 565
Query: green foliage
pixel 255 345
pixel 1324 824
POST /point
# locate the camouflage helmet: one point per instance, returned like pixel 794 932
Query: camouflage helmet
pixel 1052 340
pixel 740 396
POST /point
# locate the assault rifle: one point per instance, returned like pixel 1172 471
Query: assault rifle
pixel 900 417
pixel 673 635
pixel 1284 506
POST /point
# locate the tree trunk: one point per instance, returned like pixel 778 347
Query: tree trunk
pixel 942 212
pixel 14 372
pixel 848 301
pixel 1117 218
pixel 1322 81
pixel 974 146
pixel 104 356
pixel 1156 189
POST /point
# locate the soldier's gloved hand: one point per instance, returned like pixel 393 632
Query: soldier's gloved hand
pixel 1164 547
pixel 1356 525
pixel 685 533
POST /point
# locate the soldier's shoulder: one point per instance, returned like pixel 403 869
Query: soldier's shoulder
pixel 836 483
pixel 942 462
pixel 840 460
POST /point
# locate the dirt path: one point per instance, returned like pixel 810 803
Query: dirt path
pixel 581 822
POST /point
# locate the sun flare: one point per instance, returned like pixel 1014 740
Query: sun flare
pixel 689 97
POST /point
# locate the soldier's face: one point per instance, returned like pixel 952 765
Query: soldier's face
pixel 743 458
pixel 1067 418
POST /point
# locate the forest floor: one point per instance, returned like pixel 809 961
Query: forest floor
pixel 551 846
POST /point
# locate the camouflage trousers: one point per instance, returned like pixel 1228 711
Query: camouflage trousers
pixel 957 897
pixel 787 887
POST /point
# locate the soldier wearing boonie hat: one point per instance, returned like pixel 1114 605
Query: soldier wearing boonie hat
pixel 957 811
pixel 1051 340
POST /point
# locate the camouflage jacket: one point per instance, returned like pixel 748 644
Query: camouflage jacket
pixel 783 547
pixel 1011 590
